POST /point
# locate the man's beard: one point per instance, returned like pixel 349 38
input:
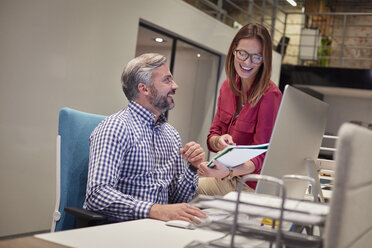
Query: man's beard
pixel 160 102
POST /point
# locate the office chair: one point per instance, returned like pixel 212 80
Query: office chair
pixel 349 221
pixel 74 130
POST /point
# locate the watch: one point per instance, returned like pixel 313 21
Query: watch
pixel 192 168
pixel 229 176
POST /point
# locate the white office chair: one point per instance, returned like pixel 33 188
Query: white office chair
pixel 349 223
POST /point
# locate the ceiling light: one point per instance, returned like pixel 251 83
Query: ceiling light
pixel 158 39
pixel 292 2
pixel 198 55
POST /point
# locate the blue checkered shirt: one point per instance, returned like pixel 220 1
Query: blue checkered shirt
pixel 135 163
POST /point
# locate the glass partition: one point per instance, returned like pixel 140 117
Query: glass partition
pixel 196 71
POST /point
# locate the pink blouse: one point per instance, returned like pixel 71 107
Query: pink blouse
pixel 252 126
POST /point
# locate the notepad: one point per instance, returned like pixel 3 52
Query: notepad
pixel 233 156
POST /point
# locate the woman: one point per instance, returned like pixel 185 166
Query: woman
pixel 246 110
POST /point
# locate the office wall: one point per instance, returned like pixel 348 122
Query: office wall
pixel 68 53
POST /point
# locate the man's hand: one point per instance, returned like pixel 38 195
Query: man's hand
pixel 193 153
pixel 179 211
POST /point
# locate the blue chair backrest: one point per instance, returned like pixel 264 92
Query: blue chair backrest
pixel 75 128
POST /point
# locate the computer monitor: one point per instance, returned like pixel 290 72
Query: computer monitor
pixel 297 135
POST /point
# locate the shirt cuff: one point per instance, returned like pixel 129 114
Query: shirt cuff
pixel 190 175
pixel 191 167
pixel 142 209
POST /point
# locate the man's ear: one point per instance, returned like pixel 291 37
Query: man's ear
pixel 143 89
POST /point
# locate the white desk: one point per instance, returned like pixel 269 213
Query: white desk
pixel 141 233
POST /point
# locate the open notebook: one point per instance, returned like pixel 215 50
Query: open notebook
pixel 233 156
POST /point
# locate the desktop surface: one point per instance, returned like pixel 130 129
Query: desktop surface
pixel 138 233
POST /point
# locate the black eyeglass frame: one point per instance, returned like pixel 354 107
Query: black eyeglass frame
pixel 250 56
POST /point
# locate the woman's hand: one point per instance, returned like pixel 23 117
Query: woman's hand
pixel 218 171
pixel 221 142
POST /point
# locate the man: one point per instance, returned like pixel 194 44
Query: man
pixel 136 168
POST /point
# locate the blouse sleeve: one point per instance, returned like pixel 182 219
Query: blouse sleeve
pixel 265 123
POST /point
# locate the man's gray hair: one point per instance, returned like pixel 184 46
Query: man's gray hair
pixel 139 70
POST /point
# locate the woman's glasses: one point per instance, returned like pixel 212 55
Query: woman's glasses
pixel 243 56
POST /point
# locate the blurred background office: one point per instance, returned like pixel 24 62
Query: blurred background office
pixel 71 53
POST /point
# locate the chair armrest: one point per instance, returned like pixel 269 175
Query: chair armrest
pixel 85 214
pixel 85 218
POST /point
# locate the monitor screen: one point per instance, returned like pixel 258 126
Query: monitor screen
pixel 297 135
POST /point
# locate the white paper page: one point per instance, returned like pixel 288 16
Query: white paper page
pixel 238 156
pixel 272 201
pixel 265 212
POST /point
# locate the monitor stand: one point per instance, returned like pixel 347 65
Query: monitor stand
pixel 312 172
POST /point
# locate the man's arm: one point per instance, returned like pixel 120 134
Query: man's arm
pixel 185 189
pixel 185 182
pixel 108 144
